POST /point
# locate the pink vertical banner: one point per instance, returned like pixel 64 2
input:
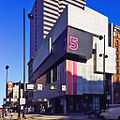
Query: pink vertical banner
pixel 69 77
pixel 74 78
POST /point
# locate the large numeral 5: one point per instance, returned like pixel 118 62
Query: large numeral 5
pixel 73 45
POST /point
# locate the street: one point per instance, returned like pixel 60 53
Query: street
pixel 52 117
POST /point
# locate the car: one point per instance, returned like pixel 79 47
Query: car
pixel 112 113
pixel 31 110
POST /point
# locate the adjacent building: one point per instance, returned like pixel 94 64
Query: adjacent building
pixel 69 62
pixel 12 94
pixel 116 82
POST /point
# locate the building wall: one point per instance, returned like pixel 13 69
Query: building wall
pixel 50 15
pixel 79 79
pixel 36 27
pixel 99 28
pixel 45 14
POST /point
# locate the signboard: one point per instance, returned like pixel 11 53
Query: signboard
pixel 22 107
pixel 53 87
pixel 9 88
pixel 30 86
pixel 39 86
pixel 63 87
pixel 79 43
pixel 16 91
pixel 22 101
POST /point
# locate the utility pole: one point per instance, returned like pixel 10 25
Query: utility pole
pixel 104 75
pixel 6 67
pixel 30 16
pixel 23 58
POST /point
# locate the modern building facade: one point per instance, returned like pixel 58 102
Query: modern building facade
pixel 116 45
pixel 69 63
pixel 45 14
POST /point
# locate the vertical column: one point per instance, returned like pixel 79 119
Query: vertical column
pixel 65 106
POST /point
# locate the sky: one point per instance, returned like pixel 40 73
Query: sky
pixel 11 37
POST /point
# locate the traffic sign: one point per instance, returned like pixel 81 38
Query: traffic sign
pixel 30 86
pixel 39 86
pixel 63 87
pixel 22 101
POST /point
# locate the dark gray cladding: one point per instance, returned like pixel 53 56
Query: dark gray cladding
pixel 63 48
pixel 80 43
pixel 58 52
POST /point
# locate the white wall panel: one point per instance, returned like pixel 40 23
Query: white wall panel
pixel 88 82
pixel 110 62
pixel 88 20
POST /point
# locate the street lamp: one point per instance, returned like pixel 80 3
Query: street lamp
pixel 30 16
pixel 6 67
pixel 104 75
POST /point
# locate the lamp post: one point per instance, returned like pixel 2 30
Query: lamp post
pixel 6 67
pixel 30 16
pixel 104 75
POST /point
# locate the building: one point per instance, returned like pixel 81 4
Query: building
pixel 45 14
pixel 116 44
pixel 69 63
pixel 12 95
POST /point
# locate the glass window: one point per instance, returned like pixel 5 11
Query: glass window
pixel 48 77
pixel 116 42
pixel 117 57
pixel 117 72
pixel 117 50
pixel 117 79
pixel 55 74
pixel 117 64
pixel 116 34
pixel 96 103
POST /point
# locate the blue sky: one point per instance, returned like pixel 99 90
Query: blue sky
pixel 11 50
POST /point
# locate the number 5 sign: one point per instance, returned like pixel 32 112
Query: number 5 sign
pixel 73 43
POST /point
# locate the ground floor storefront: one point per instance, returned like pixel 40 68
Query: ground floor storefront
pixel 77 103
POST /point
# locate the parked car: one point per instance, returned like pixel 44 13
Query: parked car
pixel 31 110
pixel 112 113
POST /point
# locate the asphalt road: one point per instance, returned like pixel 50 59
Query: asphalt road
pixel 51 117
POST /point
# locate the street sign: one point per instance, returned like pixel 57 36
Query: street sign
pixel 22 107
pixel 39 86
pixel 63 87
pixel 30 86
pixel 22 101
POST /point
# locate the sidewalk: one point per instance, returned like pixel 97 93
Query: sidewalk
pixel 54 117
